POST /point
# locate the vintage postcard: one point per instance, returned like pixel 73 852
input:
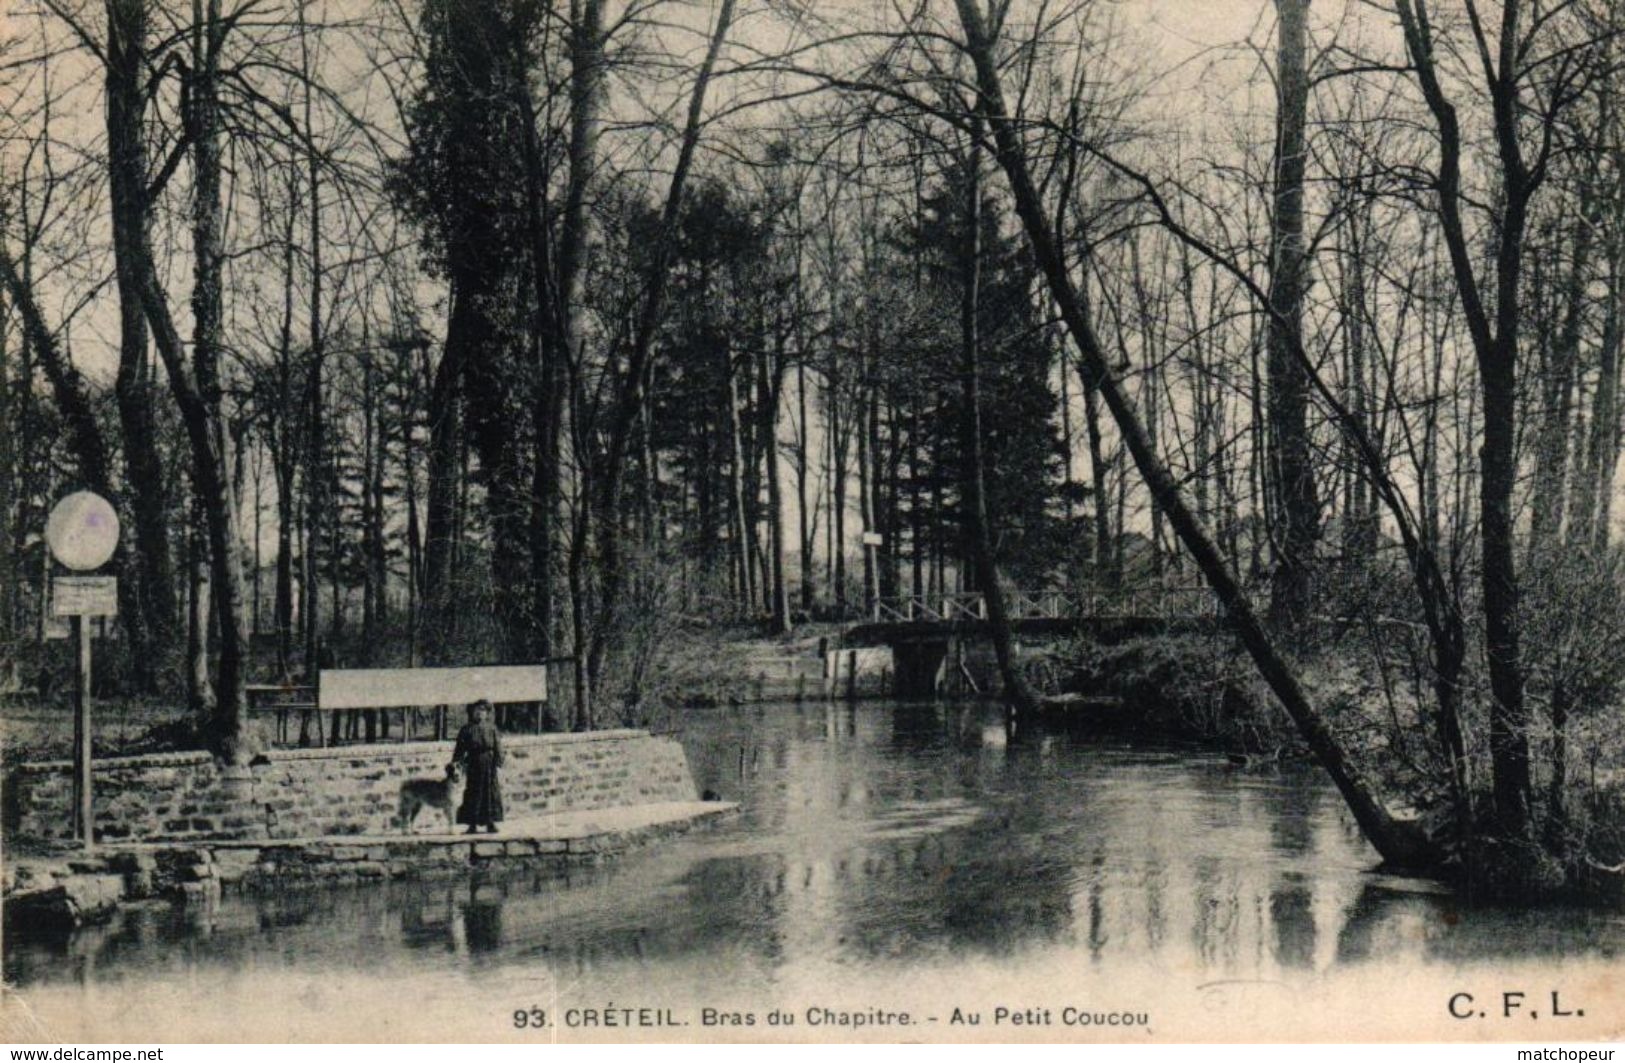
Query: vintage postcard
pixel 786 520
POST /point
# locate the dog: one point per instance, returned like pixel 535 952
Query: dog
pixel 442 794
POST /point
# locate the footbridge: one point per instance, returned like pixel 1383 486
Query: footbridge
pixel 927 633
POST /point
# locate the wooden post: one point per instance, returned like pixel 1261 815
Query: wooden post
pixel 84 825
pixel 321 728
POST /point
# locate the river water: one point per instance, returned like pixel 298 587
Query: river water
pixel 891 862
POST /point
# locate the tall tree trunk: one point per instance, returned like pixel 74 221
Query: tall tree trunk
pixel 127 171
pixel 1496 346
pixel 10 484
pixel 442 525
pixel 587 65
pixel 372 532
pixel 916 522
pixel 285 460
pixel 200 696
pixel 1603 448
pixel 891 523
pixel 548 353
pixel 744 572
pixel 1557 381
pixel 1067 447
pixel 1292 471
pixel 1151 332
pixel 866 489
pixel 1107 570
pixel 754 369
pixel 206 419
pixel 1359 532
pixel 838 434
pixel 803 514
pixel 1590 494
pixel 1017 694
pixel 414 531
pixel 772 393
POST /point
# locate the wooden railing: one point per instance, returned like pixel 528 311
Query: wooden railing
pixel 1156 603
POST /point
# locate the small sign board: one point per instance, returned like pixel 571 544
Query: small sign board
pixel 84 596
pixel 873 539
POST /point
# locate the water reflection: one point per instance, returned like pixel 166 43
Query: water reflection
pixel 876 839
pixel 482 919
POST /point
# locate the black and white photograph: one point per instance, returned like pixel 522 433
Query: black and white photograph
pixel 701 521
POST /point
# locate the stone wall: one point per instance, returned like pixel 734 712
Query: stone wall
pixel 343 791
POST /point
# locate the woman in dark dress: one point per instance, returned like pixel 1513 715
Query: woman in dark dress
pixel 479 753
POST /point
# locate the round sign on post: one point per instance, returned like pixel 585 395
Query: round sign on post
pixel 82 531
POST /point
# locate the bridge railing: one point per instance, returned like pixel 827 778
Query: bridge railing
pixel 1141 603
pixel 932 607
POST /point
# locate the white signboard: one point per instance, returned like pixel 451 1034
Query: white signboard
pixel 84 596
pixel 873 539
pixel 379 688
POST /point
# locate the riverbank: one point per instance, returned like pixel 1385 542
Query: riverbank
pixel 1192 687
pixel 181 825
pixel 738 665
pixel 59 887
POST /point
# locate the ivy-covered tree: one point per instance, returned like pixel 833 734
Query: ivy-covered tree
pixel 463 183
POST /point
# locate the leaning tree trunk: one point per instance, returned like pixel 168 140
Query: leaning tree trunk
pixel 1399 841
pixel 85 440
